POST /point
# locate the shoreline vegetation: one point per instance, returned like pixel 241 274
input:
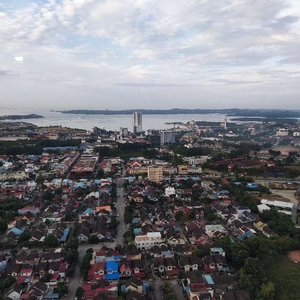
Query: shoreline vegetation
pixel 198 123
pixel 265 120
pixel 20 117
pixel 266 113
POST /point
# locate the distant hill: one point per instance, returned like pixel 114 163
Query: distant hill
pixel 20 117
pixel 271 113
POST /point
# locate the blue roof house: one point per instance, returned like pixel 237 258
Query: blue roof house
pixel 112 268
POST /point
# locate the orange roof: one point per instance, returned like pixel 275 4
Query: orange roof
pixel 100 208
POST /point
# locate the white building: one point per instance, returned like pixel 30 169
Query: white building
pixel 263 207
pixel 137 122
pixel 169 191
pixel 283 207
pixel 145 242
pixel 123 132
pixel 282 132
pixel 196 160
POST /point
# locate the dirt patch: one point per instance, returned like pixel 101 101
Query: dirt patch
pixel 295 256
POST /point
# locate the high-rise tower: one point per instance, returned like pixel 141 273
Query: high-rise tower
pixel 137 122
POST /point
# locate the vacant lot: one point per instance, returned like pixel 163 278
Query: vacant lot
pixel 295 256
pixel 286 276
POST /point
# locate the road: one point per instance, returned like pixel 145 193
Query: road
pixel 177 290
pixel 75 281
pixel 120 207
pixel 157 294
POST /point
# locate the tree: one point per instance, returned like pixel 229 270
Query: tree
pixel 50 241
pixel 180 216
pixel 113 223
pixel 252 276
pixel 70 272
pixel 198 253
pixel 3 226
pixel 25 236
pixel 128 215
pixel 79 293
pixel 62 289
pixel 267 291
pixel 7 282
pixel 47 277
pixel 73 244
pixel 72 256
pixel 240 252
pixel 93 239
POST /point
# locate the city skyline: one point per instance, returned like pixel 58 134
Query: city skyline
pixel 149 54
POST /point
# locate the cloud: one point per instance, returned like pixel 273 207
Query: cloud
pixel 150 85
pixel 94 48
pixel 8 73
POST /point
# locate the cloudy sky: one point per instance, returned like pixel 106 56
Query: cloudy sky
pixel 150 54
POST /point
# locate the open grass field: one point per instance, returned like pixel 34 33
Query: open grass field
pixel 285 274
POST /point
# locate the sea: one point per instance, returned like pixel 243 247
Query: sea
pixel 108 122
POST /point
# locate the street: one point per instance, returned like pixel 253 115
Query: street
pixel 75 281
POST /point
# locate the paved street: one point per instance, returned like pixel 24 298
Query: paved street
pixel 120 207
pixel 177 290
pixel 157 293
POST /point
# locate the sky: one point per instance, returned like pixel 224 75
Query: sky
pixel 126 54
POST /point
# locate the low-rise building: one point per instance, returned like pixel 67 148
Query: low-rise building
pixel 147 241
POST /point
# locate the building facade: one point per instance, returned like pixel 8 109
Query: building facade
pixel 155 174
pixel 167 137
pixel 123 131
pixel 147 241
pixel 137 122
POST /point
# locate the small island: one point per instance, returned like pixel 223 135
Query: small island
pixel 20 117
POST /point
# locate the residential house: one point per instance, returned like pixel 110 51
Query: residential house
pixel 112 272
pixel 171 267
pixel 26 270
pixel 263 228
pixel 14 270
pixel 134 284
pixel 159 266
pixel 214 263
pixel 99 270
pixel 32 209
pixel 138 268
pixel 39 288
pixel 215 230
pixel 41 269
pixel 14 292
pixel 126 268
pixel 83 232
pixel 189 263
